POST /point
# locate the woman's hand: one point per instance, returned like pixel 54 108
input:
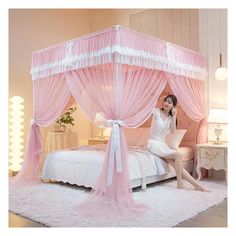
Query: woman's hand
pixel 173 123
pixel 174 111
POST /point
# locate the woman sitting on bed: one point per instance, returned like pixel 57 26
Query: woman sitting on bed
pixel 163 122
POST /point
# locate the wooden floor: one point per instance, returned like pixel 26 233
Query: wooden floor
pixel 213 217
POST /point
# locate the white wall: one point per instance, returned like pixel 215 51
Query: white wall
pixel 179 26
pixel 212 37
pixel 103 18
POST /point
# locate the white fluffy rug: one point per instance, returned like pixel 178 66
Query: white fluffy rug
pixel 53 204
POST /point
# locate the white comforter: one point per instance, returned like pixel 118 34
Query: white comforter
pixel 83 166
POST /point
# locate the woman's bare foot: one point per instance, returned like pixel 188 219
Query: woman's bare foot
pixel 181 185
pixel 200 188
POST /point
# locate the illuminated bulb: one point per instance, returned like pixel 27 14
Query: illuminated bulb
pixel 221 73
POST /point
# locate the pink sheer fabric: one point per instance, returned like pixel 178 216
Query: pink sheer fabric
pixel 70 103
pixel 121 45
pixel 191 97
pixel 50 97
pixel 28 173
pixel 128 100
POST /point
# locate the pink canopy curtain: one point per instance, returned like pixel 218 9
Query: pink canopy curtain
pixel 191 97
pixel 123 96
pixel 50 96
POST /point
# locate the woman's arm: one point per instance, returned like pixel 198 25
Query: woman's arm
pixel 173 122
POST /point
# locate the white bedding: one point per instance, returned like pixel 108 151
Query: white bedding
pixel 82 167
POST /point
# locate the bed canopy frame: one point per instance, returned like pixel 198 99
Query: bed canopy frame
pixel 116 76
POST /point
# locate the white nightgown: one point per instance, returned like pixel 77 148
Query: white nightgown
pixel 160 127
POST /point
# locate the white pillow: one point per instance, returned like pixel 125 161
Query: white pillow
pixel 174 139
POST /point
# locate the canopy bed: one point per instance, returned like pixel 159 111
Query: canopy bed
pixel 82 165
pixel 116 76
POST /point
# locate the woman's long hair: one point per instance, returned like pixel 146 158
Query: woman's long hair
pixel 174 101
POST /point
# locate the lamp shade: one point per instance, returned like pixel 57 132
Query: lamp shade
pixel 218 116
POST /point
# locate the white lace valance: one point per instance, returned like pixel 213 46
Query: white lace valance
pixel 118 45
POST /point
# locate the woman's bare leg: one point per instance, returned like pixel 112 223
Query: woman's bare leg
pixel 176 162
pixel 185 175
pixel 191 180
pixel 179 170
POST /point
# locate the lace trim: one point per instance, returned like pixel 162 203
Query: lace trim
pixel 121 55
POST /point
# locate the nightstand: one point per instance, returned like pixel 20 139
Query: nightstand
pixel 98 140
pixel 61 140
pixel 211 156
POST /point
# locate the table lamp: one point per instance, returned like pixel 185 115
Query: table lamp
pixel 218 116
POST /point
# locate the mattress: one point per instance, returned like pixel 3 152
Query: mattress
pixel 83 166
